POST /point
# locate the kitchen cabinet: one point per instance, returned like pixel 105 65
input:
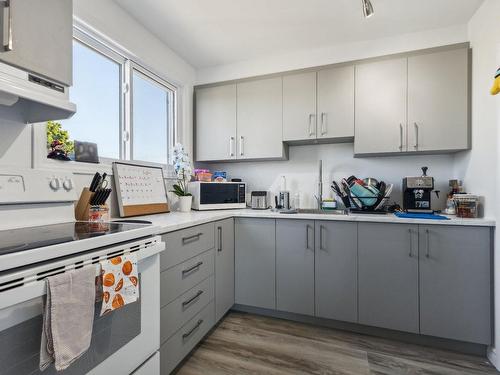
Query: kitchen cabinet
pixel 41 34
pixel 299 106
pixel 336 270
pixel 216 123
pixel 418 103
pixel 260 119
pixel 388 276
pixel 224 267
pixel 438 117
pixel 380 106
pixel 319 105
pixel 455 282
pixel 295 266
pixel 336 103
pixel 255 262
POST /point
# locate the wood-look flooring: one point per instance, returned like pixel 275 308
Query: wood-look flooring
pixel 250 344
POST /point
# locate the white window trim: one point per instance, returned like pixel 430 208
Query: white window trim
pixel 102 44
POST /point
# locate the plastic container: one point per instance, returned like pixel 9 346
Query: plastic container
pixel 466 205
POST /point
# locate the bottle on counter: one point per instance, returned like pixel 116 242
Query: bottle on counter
pixel 455 188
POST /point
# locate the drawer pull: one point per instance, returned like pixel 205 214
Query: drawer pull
pixel 190 332
pixel 196 237
pixel 190 269
pixel 185 303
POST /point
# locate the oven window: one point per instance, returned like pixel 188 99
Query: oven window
pixel 218 193
pixel 20 344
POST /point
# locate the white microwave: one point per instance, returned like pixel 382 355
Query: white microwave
pixel 217 195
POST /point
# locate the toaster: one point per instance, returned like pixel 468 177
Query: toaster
pixel 259 200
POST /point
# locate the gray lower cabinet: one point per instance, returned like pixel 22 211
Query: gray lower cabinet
pixel 295 266
pixel 388 276
pixel 336 273
pixel 455 279
pixel 224 267
pixel 255 262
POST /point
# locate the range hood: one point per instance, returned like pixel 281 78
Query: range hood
pixel 28 98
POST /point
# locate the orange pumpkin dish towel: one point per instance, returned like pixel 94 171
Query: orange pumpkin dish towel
pixel 120 282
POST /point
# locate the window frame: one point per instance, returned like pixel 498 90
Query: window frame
pixel 128 63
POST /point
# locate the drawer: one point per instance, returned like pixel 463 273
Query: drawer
pixel 184 308
pixel 186 243
pixel 184 340
pixel 179 279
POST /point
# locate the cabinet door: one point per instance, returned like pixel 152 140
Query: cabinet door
pixel 388 276
pixel 336 102
pixel 255 262
pixel 42 33
pixel 216 123
pixel 455 279
pixel 299 106
pixel 295 266
pixel 336 270
pixel 438 101
pixel 224 267
pixel 380 113
pixel 260 119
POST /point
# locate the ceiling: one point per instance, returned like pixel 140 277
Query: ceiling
pixel 216 32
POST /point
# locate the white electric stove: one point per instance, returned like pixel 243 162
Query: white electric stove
pixel 39 238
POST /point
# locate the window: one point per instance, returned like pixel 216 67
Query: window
pixel 122 106
pixel 96 91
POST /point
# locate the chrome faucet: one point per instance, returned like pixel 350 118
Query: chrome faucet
pixel 319 197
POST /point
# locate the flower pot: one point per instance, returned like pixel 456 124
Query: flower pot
pixel 185 203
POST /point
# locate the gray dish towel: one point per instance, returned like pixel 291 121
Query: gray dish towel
pixel 68 317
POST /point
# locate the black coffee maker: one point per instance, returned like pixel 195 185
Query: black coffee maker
pixel 417 193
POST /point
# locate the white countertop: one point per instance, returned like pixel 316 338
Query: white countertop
pixel 179 220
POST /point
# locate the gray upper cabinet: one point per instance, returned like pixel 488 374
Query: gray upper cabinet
pixel 438 101
pixel 388 276
pixel 260 119
pixel 224 267
pixel 380 107
pixel 216 123
pixel 336 103
pixel 255 262
pixel 295 266
pixel 299 106
pixel 455 283
pixel 336 270
pixel 42 33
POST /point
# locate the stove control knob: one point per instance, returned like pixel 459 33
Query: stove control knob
pixel 68 184
pixel 54 184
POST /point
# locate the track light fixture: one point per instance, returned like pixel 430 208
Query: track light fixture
pixel 367 8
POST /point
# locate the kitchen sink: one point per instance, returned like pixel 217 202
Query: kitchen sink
pixel 316 211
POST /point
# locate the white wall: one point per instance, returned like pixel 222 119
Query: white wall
pixel 480 166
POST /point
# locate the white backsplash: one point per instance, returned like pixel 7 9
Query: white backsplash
pixel 301 171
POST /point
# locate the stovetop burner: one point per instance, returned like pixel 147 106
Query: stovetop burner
pixel 22 239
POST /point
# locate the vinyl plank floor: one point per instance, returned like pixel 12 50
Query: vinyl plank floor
pixel 251 344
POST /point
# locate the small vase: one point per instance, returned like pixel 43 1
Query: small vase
pixel 185 203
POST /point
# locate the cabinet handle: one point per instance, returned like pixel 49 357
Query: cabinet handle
pixel 307 237
pixel 187 302
pixel 428 253
pixel 321 228
pixel 195 267
pixel 415 146
pixel 400 137
pixel 241 145
pixel 219 231
pixel 411 243
pixel 231 146
pixel 7 45
pixel 192 238
pixel 190 332
pixel 311 117
pixel 323 123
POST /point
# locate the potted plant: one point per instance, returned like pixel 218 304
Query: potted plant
pixel 183 170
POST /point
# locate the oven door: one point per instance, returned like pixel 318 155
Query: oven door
pixel 121 340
